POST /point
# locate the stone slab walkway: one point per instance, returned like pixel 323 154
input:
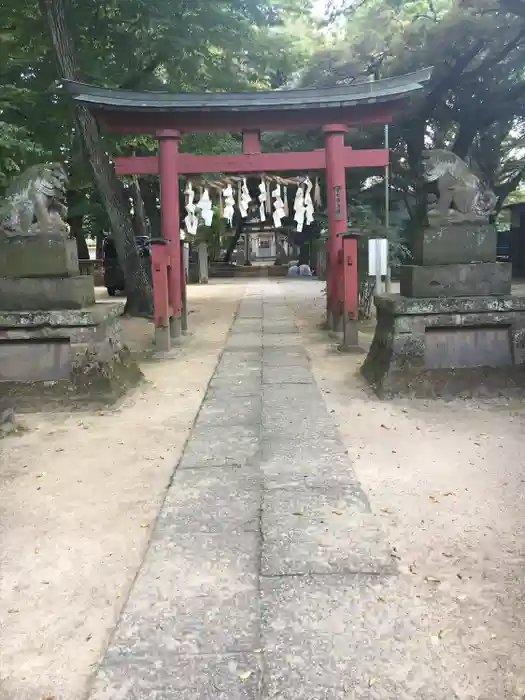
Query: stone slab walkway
pixel 266 564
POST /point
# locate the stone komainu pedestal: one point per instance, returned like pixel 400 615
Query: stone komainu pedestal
pixel 53 337
pixel 454 327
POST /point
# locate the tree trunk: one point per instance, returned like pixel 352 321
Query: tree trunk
pixel 150 195
pixel 233 241
pixel 138 289
pixel 76 223
pixel 77 232
pixel 139 212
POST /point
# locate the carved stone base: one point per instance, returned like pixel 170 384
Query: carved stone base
pixel 462 279
pixel 46 293
pixel 436 347
pixel 65 353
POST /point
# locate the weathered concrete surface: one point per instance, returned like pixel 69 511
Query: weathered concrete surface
pixel 448 346
pixel 38 256
pixel 46 293
pixel 72 352
pixel 454 243
pixel 263 491
pixel 458 280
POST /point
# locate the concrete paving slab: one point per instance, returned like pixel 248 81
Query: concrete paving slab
pixel 321 531
pixel 280 340
pixel 353 635
pixel 297 411
pixel 247 325
pixel 233 358
pixel 212 500
pixel 294 356
pixel 217 447
pixel 223 622
pixel 279 327
pixel 264 495
pixel 248 383
pixel 230 392
pixel 189 565
pixel 278 447
pixel 245 410
pixel 246 341
pixel 291 374
pixel 210 677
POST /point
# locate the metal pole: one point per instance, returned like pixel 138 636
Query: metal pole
pixel 388 284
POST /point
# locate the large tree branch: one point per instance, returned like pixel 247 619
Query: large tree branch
pixel 515 7
pixel 133 82
pixel 451 79
pixel 498 57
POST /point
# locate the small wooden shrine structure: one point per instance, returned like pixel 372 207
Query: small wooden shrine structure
pixel 167 116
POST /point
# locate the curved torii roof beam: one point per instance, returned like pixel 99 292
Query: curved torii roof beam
pixel 149 112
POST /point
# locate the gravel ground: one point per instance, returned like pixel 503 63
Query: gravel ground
pixel 447 480
pixel 78 496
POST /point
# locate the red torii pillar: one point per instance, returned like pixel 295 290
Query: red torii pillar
pixel 169 221
pixel 336 206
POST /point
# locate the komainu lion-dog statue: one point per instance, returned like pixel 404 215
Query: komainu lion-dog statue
pixel 461 193
pixel 34 203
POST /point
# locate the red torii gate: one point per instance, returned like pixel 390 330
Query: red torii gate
pixel 168 116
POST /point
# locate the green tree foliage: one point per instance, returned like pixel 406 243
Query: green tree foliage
pixel 476 101
pixel 137 44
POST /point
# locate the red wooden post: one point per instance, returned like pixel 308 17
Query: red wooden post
pixel 162 311
pixel 169 217
pixel 184 302
pixel 348 257
pixel 336 200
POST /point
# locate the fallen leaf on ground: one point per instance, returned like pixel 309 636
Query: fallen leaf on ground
pixel 245 675
pixel 432 579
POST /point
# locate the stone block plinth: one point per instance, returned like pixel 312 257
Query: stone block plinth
pixel 65 353
pixel 455 280
pixel 454 243
pixel 429 347
pixel 38 256
pixel 46 293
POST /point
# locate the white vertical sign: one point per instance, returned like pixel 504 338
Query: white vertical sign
pixel 377 257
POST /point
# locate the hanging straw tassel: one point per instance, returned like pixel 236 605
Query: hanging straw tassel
pixel 317 194
pixel 268 196
pixel 221 204
pixel 285 202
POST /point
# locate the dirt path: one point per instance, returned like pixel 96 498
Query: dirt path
pixel 448 482
pixel 78 496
